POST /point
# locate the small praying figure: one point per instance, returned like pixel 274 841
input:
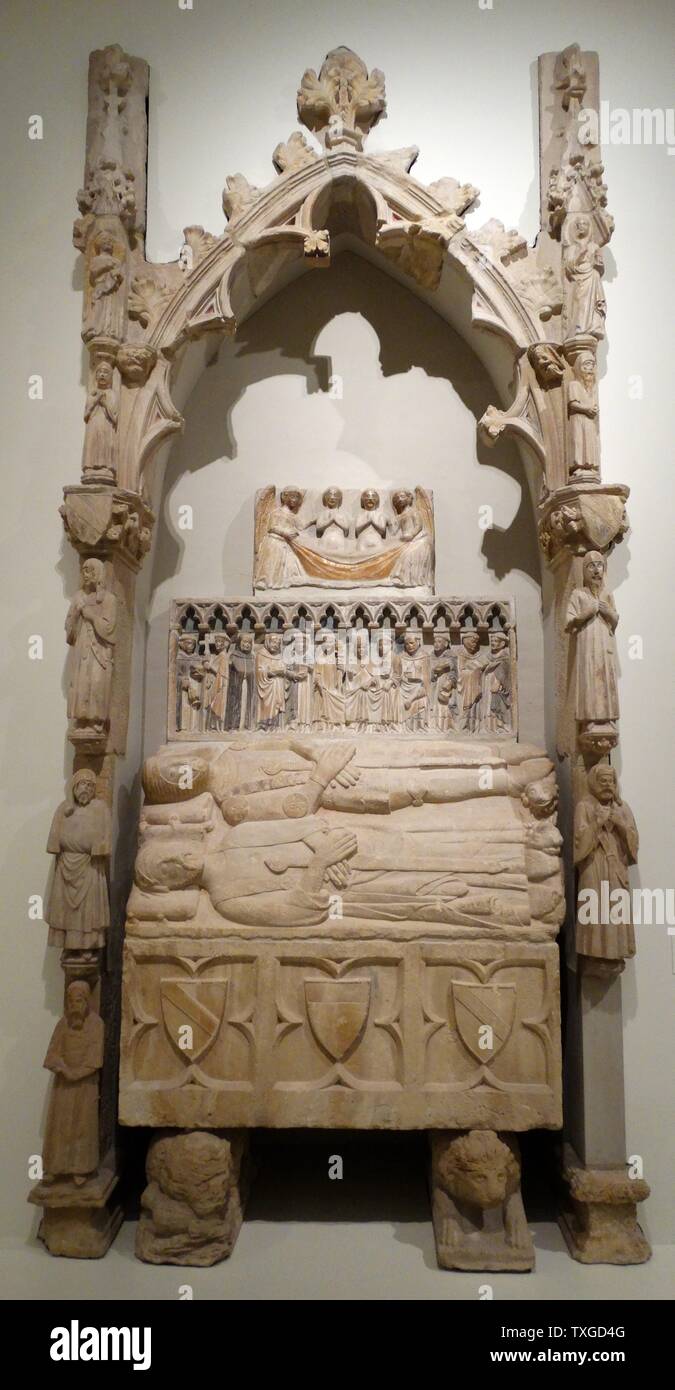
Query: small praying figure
pixel 100 415
pixel 91 630
pixel 332 524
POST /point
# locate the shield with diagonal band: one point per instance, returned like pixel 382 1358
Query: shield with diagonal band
pixel 337 1011
pixel 603 517
pixel 193 1012
pixel 484 1016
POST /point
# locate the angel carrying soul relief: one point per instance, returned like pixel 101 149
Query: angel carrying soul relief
pixel 388 540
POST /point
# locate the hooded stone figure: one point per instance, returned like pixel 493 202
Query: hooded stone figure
pixel 605 845
pixel 75 1056
pixel 78 909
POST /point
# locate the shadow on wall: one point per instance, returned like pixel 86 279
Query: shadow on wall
pixel 279 340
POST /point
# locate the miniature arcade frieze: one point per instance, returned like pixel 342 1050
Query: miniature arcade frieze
pixel 444 667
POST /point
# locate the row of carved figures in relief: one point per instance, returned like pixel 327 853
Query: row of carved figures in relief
pixel 367 682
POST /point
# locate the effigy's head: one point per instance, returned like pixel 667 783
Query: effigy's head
pixel 165 864
pixel 479 1168
pixel 195 1168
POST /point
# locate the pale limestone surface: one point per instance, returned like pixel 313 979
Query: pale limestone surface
pixel 447 882
pixel 326 934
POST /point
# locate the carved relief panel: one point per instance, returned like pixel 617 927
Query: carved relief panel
pixel 344 539
pixel 445 667
pixel 391 1033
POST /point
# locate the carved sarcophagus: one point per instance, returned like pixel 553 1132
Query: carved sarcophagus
pixel 344 933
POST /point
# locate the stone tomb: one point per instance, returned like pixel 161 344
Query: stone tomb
pixel 348 881
pixel 347 891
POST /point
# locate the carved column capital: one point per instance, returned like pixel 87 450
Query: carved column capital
pixel 107 521
pixel 581 517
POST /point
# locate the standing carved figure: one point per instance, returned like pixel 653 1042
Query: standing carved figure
pixel 91 629
pixel 277 565
pixel 605 844
pixel 582 409
pixel 75 1056
pixel 270 682
pixel 584 306
pixel 498 682
pixel 358 680
pixel 470 668
pixel 300 676
pixel 415 567
pixel 100 414
pixel 78 909
pixel 189 677
pixel 329 698
pixel 414 682
pixel 216 680
pixel 591 620
pixel 444 679
pixel 240 710
pixel 106 275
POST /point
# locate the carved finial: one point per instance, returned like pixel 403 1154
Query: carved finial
pixel 570 75
pixel 344 102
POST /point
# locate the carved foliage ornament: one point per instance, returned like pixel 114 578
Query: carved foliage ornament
pixel 344 102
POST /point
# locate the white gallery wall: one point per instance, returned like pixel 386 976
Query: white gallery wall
pixel 461 83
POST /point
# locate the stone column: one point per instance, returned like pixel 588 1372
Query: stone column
pixel 580 522
pixel 110 528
